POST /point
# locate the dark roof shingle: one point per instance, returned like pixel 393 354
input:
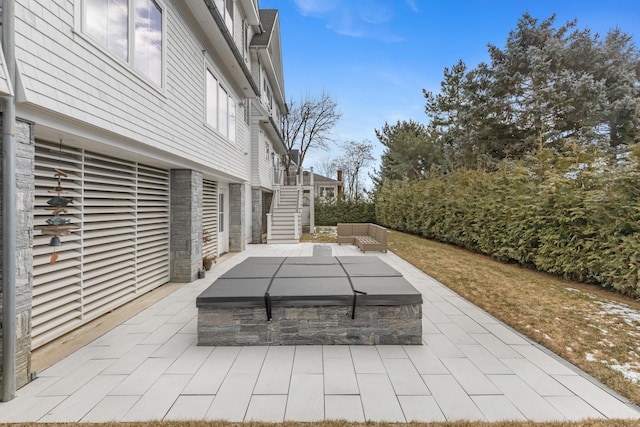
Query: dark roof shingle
pixel 268 19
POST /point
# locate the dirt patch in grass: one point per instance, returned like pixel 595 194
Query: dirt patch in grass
pixel 596 330
pixel 321 235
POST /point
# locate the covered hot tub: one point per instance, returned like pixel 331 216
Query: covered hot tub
pixel 310 300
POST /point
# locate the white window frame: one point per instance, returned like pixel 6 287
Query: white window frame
pixel 219 114
pixel 324 189
pixel 211 99
pixel 80 23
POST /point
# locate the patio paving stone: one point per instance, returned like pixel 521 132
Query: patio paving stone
pixel 470 367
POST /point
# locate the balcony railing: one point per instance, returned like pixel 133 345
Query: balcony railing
pixel 305 179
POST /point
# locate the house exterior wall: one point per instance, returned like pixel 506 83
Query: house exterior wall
pixel 262 160
pixel 65 72
pixel 75 92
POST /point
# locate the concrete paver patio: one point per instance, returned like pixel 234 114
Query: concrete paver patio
pixel 470 367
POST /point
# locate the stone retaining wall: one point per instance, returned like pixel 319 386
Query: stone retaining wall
pixel 394 324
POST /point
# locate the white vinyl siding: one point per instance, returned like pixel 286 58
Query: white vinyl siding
pixel 119 251
pixel 262 164
pixel 223 112
pixel 232 120
pixel 210 218
pixel 64 72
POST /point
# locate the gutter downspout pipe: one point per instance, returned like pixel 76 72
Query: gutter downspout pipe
pixel 8 209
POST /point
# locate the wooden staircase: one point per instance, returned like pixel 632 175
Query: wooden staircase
pixel 284 224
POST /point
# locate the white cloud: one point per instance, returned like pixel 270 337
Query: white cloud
pixel 413 5
pixel 315 7
pixel 359 19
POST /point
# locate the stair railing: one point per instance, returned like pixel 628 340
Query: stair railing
pixel 297 215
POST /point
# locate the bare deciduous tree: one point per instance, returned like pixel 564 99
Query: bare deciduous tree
pixel 308 125
pixel 327 167
pixel 356 157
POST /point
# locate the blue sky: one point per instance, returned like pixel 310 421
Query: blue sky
pixel 374 57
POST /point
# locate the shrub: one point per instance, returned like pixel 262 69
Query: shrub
pixel 343 210
pixel 584 227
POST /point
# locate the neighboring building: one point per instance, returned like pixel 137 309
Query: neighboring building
pixel 164 121
pixel 327 189
pixel 320 187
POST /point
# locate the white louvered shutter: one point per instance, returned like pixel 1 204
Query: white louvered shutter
pixel 210 217
pixel 120 250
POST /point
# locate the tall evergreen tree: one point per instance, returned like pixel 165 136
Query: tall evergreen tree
pixel 409 151
pixel 549 92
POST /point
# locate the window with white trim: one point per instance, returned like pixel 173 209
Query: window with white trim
pixel 212 100
pixel 221 212
pixel 132 30
pixel 225 8
pixel 220 107
pixel 327 193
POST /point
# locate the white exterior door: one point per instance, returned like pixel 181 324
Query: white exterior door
pixel 223 219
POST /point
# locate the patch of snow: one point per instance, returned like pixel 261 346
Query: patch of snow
pixel 591 358
pixel 629 315
pixel 606 343
pixel 547 337
pixel 629 371
pixel 569 349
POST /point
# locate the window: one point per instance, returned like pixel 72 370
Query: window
pixel 221 212
pixel 212 100
pixel 220 107
pixel 245 39
pixel 225 8
pixel 147 57
pixel 130 29
pixel 327 193
pixel 108 22
pixel 228 16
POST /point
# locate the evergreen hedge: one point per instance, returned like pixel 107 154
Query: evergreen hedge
pixel 584 227
pixel 343 210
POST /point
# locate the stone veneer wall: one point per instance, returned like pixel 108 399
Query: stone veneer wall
pixel 395 324
pixel 186 225
pixel 256 216
pixel 236 218
pixel 25 157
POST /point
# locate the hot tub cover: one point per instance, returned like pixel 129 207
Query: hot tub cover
pixel 309 281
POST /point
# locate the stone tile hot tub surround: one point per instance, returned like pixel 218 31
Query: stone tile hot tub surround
pixel 310 300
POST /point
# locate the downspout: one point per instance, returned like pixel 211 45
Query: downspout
pixel 8 209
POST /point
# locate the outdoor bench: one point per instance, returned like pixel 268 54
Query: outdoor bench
pixel 367 237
